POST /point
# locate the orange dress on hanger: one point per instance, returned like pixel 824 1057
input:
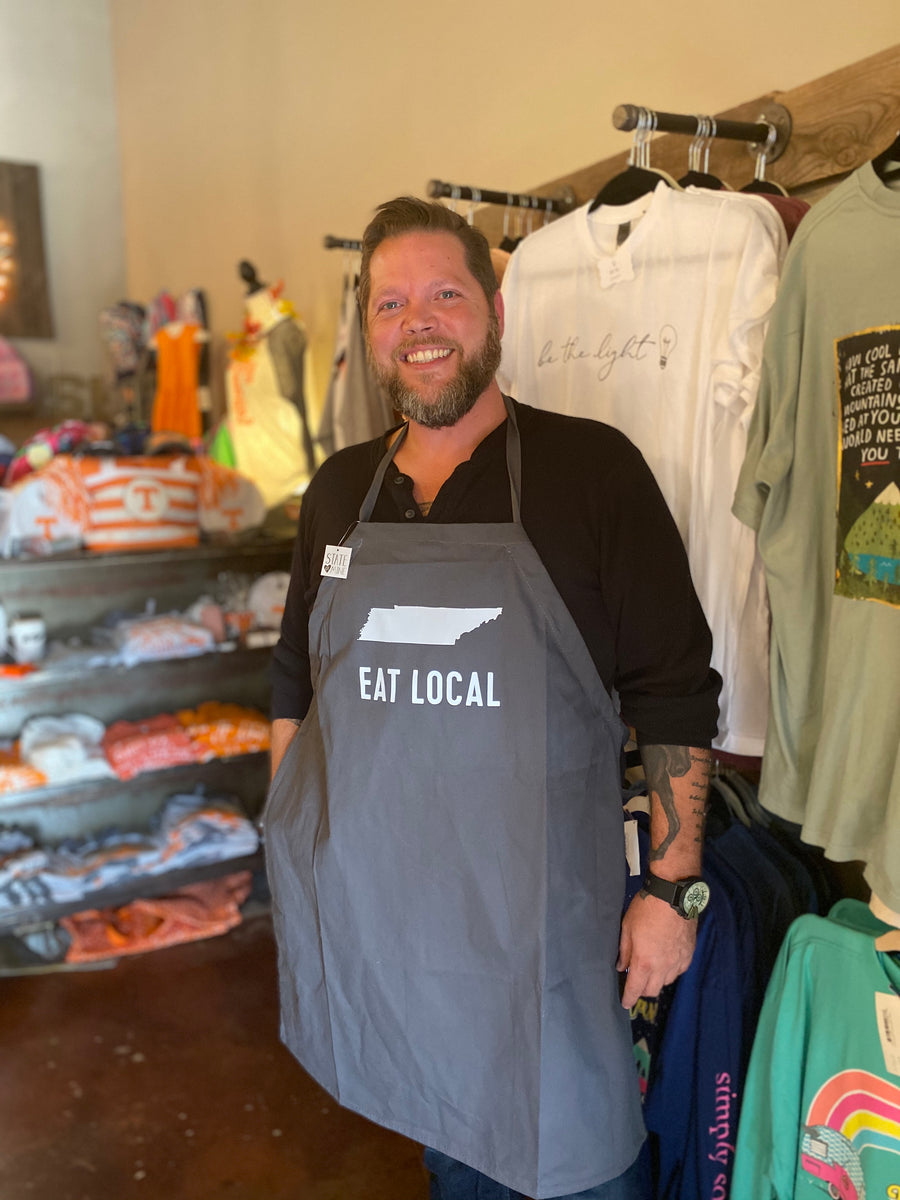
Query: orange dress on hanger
pixel 176 408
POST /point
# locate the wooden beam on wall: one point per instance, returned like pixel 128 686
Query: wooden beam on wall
pixel 839 122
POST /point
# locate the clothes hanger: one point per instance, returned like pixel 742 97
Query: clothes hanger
pixel 759 185
pixel 698 170
pixel 732 800
pixel 507 242
pixel 889 941
pixel 748 794
pixel 639 178
pixel 473 204
pixel 887 164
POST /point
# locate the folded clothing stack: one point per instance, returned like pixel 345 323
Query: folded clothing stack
pixel 195 911
pixel 16 775
pixel 65 749
pixel 223 730
pixel 75 746
pixel 192 830
pixel 149 639
pixel 150 745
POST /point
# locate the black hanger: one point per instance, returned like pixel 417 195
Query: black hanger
pixel 702 179
pixel 763 187
pixel 638 178
pixel 882 162
pixel 628 185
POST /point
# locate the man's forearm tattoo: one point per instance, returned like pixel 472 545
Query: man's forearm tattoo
pixel 662 764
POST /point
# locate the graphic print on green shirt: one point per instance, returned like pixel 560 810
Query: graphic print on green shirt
pixel 868 516
pixel 852 1112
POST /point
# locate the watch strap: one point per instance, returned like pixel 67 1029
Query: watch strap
pixel 662 889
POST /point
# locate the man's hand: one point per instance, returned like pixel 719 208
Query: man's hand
pixel 656 944
pixel 282 734
pixel 655 947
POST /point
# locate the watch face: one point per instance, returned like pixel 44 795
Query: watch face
pixel 695 899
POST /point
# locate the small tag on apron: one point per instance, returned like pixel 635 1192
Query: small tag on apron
pixel 887 1008
pixel 336 563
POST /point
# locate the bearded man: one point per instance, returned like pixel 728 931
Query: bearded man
pixel 482 602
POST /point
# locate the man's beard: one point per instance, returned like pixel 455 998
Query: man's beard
pixel 455 398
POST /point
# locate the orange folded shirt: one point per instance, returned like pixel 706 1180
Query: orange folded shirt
pixel 17 776
pixel 223 730
pixel 136 746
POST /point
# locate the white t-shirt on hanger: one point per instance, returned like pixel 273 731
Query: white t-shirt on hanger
pixel 651 317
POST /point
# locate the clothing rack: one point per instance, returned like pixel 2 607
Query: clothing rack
pixel 562 202
pixel 771 132
pixel 336 243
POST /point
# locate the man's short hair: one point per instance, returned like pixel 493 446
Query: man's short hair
pixel 407 214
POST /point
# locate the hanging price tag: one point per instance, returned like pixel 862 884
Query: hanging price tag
pixel 632 847
pixel 336 563
pixel 887 1010
pixel 618 269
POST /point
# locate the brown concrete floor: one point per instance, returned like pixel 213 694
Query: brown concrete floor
pixel 163 1079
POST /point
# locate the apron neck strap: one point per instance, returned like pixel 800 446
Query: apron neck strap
pixel 368 504
pixel 513 467
pixel 513 460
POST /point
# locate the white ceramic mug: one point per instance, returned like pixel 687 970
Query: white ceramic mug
pixel 27 637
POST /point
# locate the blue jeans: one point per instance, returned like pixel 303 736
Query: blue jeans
pixel 452 1180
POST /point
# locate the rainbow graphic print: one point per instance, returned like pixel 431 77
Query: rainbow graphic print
pixel 854 1111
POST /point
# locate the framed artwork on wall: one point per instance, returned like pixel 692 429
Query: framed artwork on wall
pixel 24 294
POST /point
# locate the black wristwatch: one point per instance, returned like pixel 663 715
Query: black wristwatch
pixel 688 896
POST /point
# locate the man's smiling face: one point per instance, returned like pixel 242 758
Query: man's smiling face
pixel 433 338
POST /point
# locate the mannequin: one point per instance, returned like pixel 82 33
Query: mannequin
pixel 266 402
pixel 263 310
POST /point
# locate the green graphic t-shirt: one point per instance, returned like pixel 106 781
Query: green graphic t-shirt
pixel 821 485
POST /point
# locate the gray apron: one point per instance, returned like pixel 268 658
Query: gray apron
pixel 444 841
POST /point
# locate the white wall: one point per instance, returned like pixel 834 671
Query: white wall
pixel 57 109
pixel 252 128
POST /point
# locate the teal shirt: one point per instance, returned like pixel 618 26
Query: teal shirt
pixel 820 1106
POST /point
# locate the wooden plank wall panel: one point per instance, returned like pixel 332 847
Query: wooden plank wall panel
pixel 839 121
